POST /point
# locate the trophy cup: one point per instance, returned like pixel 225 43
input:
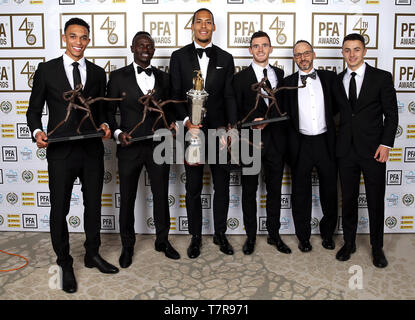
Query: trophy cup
pixel 196 102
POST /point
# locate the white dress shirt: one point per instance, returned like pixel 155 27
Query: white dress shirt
pixel 145 82
pixel 259 73
pixel 67 65
pixel 204 60
pixel 360 74
pixel 311 114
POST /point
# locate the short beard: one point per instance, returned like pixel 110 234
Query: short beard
pixel 204 40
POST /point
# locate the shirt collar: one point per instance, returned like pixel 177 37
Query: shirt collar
pixel 258 68
pixel 198 46
pixel 359 71
pixel 67 61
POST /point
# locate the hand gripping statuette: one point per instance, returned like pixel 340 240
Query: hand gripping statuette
pixel 270 94
pixel 77 101
pixel 151 104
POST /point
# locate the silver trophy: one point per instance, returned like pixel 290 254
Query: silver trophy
pixel 196 102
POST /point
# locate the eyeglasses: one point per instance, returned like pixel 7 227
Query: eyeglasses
pixel 306 54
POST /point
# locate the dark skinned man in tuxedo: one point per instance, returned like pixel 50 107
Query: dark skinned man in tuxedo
pixel 368 121
pixel 136 80
pixel 217 69
pixel 68 160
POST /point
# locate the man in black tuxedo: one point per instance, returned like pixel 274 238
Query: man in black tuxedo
pixel 137 80
pixel 311 141
pixel 273 137
pixel 217 69
pixel 368 121
pixel 71 159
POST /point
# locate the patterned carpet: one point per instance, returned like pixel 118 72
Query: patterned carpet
pixel 265 275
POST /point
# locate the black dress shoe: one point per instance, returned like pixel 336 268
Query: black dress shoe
pixel 68 280
pixel 168 250
pixel 101 264
pixel 249 246
pixel 222 242
pixel 305 246
pixel 193 251
pixel 126 257
pixel 281 246
pixel 346 251
pixel 328 243
pixel 379 259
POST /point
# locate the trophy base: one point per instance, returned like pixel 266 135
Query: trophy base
pixel 152 136
pixel 255 123
pixel 77 137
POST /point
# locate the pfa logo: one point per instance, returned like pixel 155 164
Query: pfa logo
pixel 22 31
pixel 169 30
pixel 404 74
pixel 404 31
pixel 279 26
pixel 329 29
pixel 16 74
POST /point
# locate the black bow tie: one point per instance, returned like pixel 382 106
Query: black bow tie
pixel 148 71
pixel 311 75
pixel 206 50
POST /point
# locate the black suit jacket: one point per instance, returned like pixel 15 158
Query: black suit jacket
pixel 290 97
pixel 221 105
pixel 375 119
pixel 49 84
pixel 131 111
pixel 274 133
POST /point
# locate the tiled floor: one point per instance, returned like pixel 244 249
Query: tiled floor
pixel 265 275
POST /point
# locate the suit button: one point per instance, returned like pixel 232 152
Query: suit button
pixel 352 114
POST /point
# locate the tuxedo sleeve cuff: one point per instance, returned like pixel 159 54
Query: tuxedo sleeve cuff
pixel 116 133
pixel 35 132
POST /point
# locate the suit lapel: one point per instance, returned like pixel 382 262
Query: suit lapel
pixel 131 80
pixel 211 70
pixel 88 76
pixel 294 101
pixel 343 89
pixel 157 84
pixel 326 94
pixel 194 61
pixel 63 79
pixel 365 86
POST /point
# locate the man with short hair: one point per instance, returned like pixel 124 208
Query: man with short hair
pixel 311 144
pixel 68 160
pixel 217 69
pixel 273 137
pixel 368 121
pixel 137 80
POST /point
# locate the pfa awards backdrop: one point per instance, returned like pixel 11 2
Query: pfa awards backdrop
pixel 30 32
